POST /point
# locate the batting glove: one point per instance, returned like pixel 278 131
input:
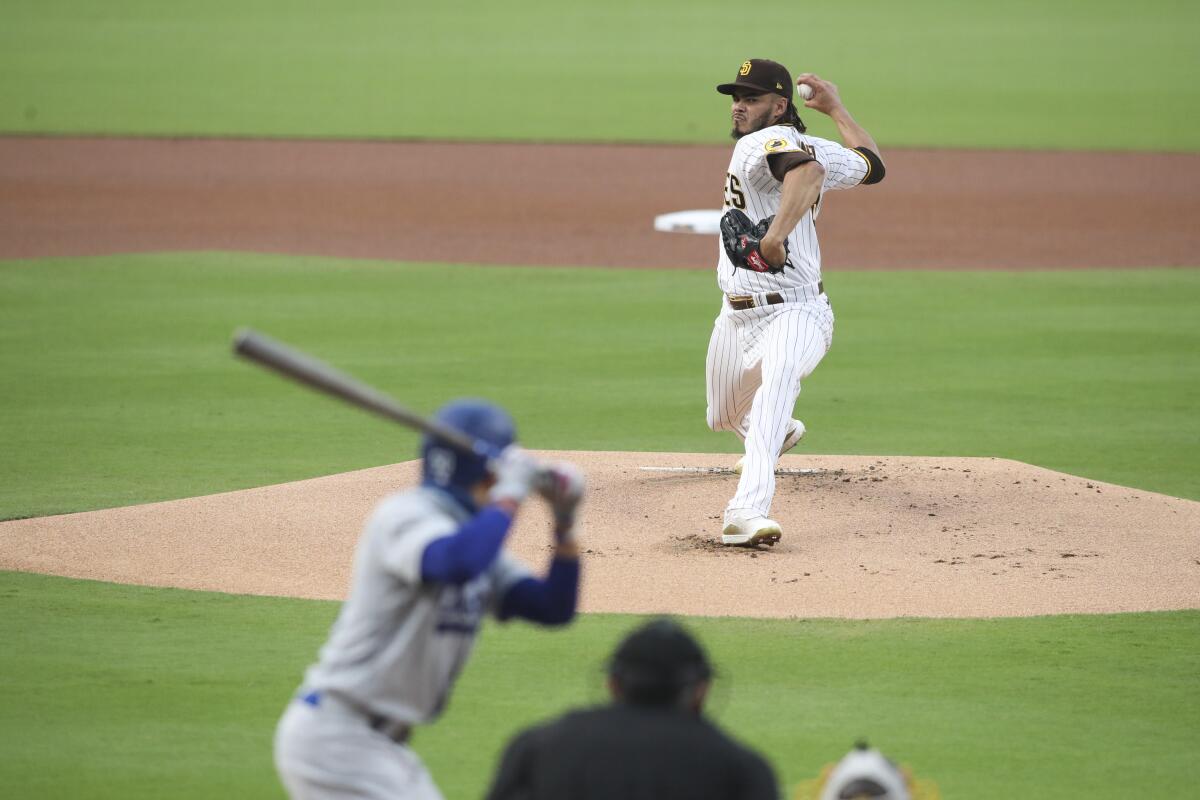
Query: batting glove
pixel 562 484
pixel 516 473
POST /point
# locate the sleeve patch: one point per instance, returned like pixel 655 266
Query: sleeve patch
pixel 779 146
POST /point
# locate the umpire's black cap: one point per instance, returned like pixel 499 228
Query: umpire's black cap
pixel 658 661
pixel 761 75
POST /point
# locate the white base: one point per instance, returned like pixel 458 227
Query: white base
pixel 695 221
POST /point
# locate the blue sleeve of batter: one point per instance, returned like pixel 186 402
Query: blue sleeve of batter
pixel 550 601
pixel 465 554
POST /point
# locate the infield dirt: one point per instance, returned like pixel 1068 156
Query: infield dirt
pixel 864 537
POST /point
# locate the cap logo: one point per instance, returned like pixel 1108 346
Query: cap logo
pixel 745 70
pixel 441 463
pixel 779 86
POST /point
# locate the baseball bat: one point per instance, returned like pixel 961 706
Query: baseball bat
pixel 302 368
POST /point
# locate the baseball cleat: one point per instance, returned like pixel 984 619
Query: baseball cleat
pixel 751 531
pixel 791 440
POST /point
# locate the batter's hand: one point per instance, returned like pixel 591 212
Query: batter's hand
pixel 825 93
pixel 562 485
pixel 516 474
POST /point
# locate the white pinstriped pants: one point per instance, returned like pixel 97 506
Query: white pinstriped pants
pixel 756 360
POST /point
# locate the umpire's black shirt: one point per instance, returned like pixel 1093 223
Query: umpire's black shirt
pixel 624 752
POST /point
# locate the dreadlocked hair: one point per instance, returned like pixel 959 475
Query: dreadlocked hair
pixel 792 117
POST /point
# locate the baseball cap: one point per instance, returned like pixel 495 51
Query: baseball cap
pixel 761 75
pixel 657 661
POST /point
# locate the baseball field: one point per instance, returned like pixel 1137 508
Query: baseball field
pixel 991 560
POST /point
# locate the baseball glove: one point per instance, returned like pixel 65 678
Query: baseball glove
pixel 742 239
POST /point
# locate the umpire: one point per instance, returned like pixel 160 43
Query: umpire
pixel 651 742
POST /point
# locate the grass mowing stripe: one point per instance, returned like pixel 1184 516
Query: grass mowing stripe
pixel 119 386
pixel 121 691
pixel 922 73
pixel 1088 373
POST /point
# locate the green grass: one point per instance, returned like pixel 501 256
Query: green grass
pixel 122 691
pixel 1019 73
pixel 118 384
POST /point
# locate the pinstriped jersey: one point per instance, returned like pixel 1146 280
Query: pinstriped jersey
pixel 750 186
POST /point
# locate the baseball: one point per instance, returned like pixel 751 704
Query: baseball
pixel 804 90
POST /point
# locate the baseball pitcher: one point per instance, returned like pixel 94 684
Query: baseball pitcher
pixel 429 565
pixel 775 323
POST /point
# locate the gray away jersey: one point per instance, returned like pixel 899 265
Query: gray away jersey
pixel 750 186
pixel 398 644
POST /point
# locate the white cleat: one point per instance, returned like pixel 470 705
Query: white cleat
pixel 750 531
pixel 793 438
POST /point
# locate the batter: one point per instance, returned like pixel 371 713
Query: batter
pixel 428 567
pixel 775 323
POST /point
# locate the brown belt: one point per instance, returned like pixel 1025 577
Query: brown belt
pixel 740 302
pixel 398 732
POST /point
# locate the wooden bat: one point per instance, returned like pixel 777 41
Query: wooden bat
pixel 316 374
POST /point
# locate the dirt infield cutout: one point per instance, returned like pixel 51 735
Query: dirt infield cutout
pixel 577 204
pixel 864 537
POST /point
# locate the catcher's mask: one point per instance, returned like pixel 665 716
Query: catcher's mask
pixel 657 663
pixel 866 773
pixel 452 470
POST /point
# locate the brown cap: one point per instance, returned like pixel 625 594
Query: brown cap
pixel 761 75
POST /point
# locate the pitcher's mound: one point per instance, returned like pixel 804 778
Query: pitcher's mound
pixel 863 536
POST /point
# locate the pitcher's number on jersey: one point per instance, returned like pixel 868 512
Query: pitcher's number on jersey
pixel 733 191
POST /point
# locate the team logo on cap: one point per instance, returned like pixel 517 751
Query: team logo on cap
pixel 779 86
pixel 745 70
pixel 441 463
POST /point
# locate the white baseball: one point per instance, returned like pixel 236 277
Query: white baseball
pixel 804 90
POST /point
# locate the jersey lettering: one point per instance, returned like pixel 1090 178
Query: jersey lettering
pixel 733 191
pixel 460 608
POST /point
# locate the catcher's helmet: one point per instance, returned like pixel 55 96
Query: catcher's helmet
pixel 452 470
pixel 866 773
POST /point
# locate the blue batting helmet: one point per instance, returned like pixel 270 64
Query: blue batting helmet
pixel 452 470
